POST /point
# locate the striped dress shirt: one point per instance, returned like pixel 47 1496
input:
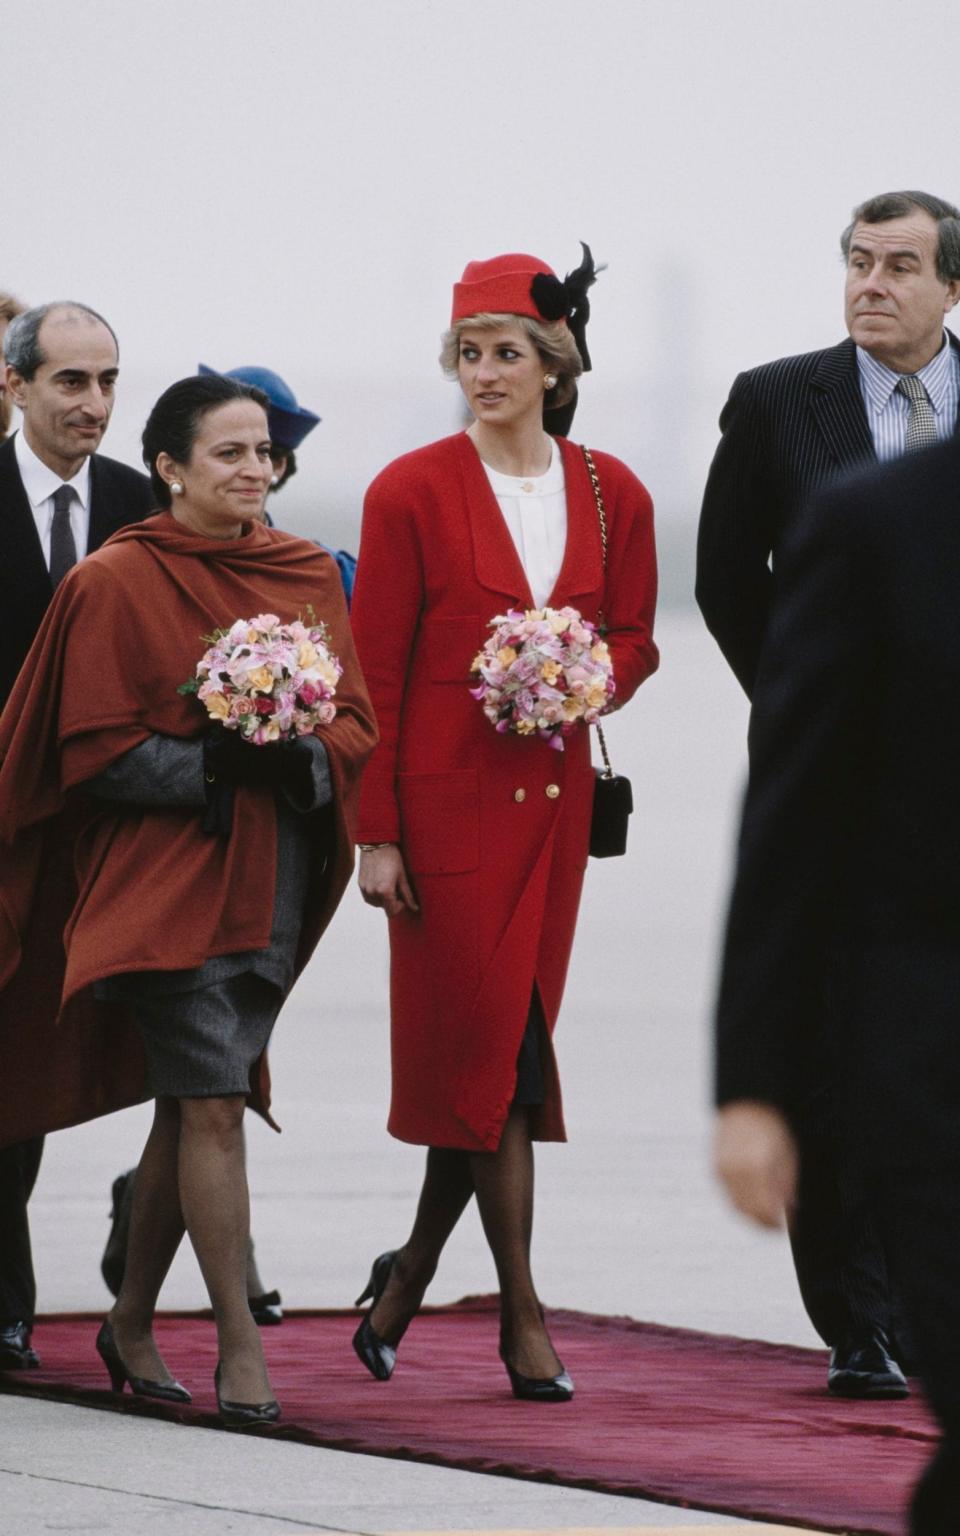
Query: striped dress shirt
pixel 888 410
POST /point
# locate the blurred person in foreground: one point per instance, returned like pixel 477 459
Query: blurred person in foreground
pixel 789 428
pixel 849 874
pixel 206 865
pixel 59 499
pixel 475 839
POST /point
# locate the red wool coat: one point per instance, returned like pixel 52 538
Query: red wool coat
pixel 494 828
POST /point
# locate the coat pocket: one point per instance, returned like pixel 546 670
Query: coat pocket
pixel 440 821
pixel 450 644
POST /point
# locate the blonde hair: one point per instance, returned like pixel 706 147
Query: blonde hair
pixel 10 308
pixel 552 339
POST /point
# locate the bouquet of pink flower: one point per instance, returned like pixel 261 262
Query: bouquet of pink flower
pixel 543 671
pixel 267 680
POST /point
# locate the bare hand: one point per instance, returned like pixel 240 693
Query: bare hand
pixel 384 882
pixel 755 1157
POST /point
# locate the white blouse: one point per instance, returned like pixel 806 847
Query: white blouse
pixel 535 511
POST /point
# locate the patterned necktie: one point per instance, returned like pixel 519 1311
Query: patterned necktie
pixel 921 423
pixel 63 550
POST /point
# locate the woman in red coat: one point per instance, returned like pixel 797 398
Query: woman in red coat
pixel 475 842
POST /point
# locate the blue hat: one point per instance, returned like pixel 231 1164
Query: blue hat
pixel 289 422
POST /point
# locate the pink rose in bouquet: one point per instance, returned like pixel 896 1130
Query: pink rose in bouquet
pixel 268 681
pixel 541 672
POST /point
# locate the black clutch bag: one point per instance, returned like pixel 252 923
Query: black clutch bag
pixel 612 805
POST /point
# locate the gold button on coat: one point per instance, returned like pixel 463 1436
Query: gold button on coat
pixel 552 791
pixel 519 795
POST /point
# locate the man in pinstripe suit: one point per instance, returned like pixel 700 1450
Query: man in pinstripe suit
pixel 789 428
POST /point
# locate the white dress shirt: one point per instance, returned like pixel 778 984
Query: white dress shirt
pixel 534 509
pixel 39 482
pixel 888 411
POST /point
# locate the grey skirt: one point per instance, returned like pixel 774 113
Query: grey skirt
pixel 202 1044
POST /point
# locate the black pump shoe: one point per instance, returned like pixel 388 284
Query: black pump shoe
pixel 378 1356
pixel 379 1275
pixel 244 1415
pixel 167 1391
pixel 540 1389
pixel 266 1309
pixel 114 1260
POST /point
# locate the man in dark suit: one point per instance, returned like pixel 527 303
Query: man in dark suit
pixel 789 428
pixel 59 499
pixel 849 874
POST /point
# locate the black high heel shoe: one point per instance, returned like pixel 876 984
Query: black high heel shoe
pixel 167 1391
pixel 378 1356
pixel 539 1389
pixel 244 1415
pixel 266 1309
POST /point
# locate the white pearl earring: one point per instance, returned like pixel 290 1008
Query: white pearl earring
pixel 176 488
pixel 549 381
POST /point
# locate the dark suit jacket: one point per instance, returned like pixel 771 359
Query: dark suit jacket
pixel 789 428
pixel 119 495
pixel 849 863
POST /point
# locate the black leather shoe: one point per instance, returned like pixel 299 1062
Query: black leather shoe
pixel 244 1415
pixel 167 1391
pixel 15 1351
pixel 266 1309
pixel 861 1366
pixel 114 1260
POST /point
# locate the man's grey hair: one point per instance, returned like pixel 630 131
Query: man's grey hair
pixel 21 347
pixel 897 205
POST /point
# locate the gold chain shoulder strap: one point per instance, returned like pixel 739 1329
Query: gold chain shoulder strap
pixel 601 509
pixel 601 621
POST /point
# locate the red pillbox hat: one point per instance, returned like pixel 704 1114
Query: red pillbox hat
pixel 501 286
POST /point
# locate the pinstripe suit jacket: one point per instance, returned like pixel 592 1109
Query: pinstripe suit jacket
pixel 789 428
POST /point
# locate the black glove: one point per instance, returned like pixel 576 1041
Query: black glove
pixel 228 760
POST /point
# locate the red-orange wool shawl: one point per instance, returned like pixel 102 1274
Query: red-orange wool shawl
pixel 90 890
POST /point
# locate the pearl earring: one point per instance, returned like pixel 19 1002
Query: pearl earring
pixel 549 381
pixel 176 488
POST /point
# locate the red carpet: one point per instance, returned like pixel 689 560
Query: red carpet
pixel 690 1419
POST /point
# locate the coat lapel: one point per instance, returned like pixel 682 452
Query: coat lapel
pixel 104 516
pixel 495 557
pixel 23 556
pixel 582 567
pixel 955 344
pixel 837 407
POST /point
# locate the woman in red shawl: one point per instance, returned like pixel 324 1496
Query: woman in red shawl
pixel 475 842
pixel 195 870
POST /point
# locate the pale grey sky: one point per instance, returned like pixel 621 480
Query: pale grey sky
pixel 299 183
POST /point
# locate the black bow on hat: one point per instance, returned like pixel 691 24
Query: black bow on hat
pixel 568 300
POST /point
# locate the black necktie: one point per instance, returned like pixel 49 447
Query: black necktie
pixel 63 550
